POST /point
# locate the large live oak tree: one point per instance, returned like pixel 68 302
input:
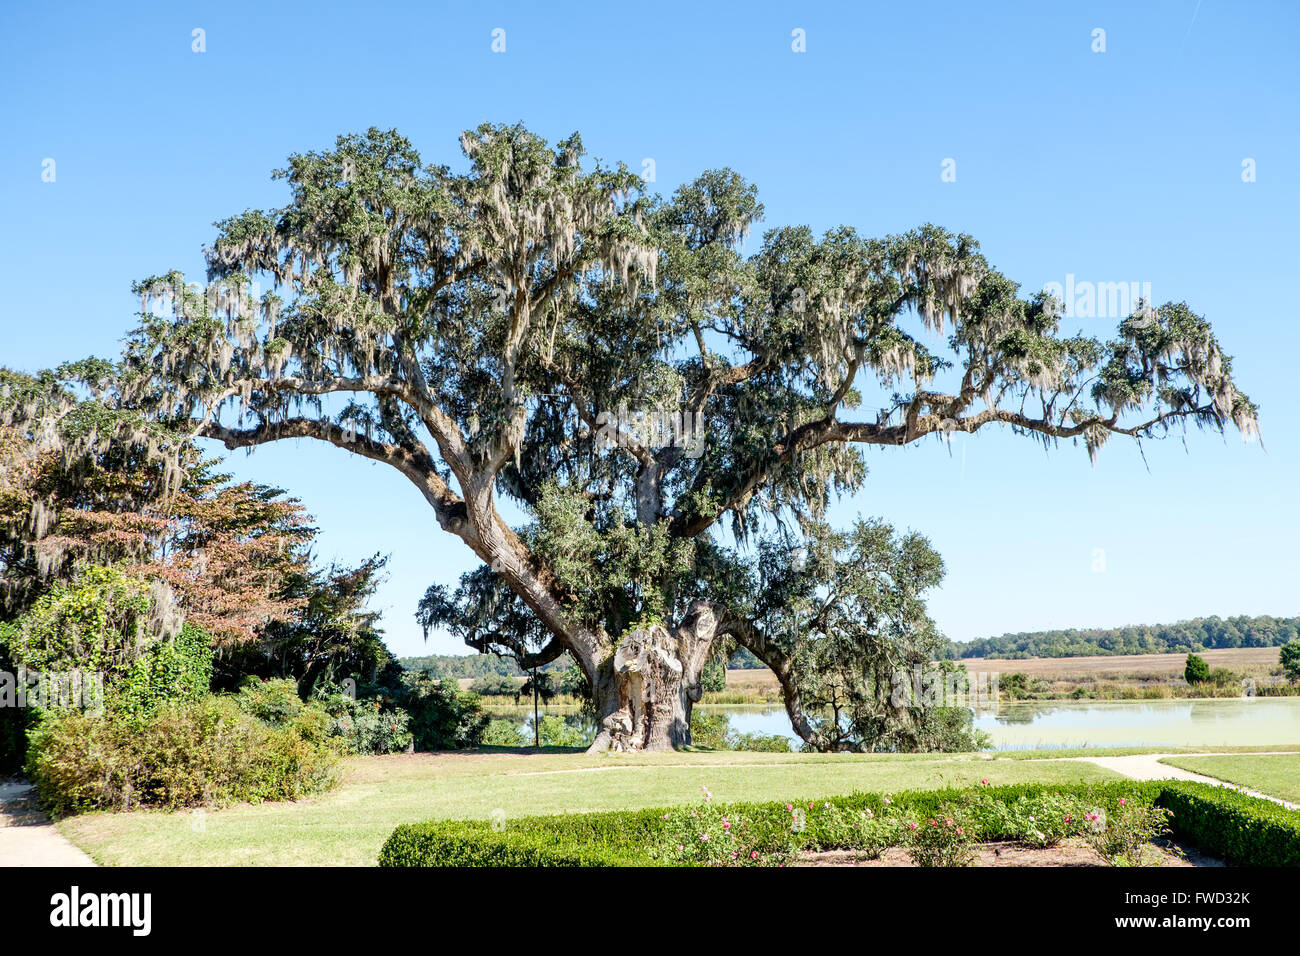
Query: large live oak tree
pixel 476 329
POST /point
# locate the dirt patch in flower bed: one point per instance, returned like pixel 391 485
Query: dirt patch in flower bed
pixel 1072 852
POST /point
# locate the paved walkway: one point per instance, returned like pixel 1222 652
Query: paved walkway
pixel 1149 767
pixel 27 837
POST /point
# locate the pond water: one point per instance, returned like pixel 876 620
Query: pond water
pixel 1250 721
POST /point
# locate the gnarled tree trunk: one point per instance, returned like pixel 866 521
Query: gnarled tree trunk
pixel 645 689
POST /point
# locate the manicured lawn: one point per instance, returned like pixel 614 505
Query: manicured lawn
pixel 348 825
pixel 1275 774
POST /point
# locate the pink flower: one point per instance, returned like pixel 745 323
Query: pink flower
pixel 912 826
pixel 985 781
pixel 753 855
pixel 959 831
pixel 704 838
pixel 726 825
pixel 789 806
pixel 1122 801
pixel 947 823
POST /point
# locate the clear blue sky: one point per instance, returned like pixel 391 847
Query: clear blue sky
pixel 1122 166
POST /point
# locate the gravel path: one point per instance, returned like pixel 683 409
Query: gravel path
pixel 27 837
pixel 1149 767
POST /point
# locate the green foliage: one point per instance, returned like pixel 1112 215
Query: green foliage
pixel 939 842
pixel 14 723
pixel 556 731
pixel 1038 819
pixel 759 743
pixel 944 730
pixel 274 702
pixel 436 844
pixel 1289 657
pixel 495 685
pixel 714 678
pixel 101 621
pixel 575 683
pixel 849 609
pixel 332 635
pixel 442 716
pixel 365 726
pixel 502 733
pixel 711 835
pixel 175 670
pixel 1196 671
pixel 104 623
pixel 828 825
pixel 1241 829
pixel 209 751
pixel 1014 685
pixel 1123 837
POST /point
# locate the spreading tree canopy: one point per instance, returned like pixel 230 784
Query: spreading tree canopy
pixel 672 415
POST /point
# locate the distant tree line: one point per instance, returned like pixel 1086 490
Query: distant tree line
pixel 476 665
pixel 1198 634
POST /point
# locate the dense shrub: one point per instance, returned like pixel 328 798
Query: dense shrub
pixel 102 621
pixel 557 731
pixel 417 844
pixel 939 842
pixel 1196 670
pixel 502 733
pixel 175 670
pixel 442 716
pixel 711 835
pixel 1123 837
pixel 366 725
pixel 714 677
pixel 111 628
pixel 1230 824
pixel 209 751
pixel 273 702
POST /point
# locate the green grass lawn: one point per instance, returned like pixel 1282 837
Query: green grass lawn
pixel 348 825
pixel 1275 774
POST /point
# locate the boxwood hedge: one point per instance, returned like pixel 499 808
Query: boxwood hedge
pixel 1226 823
pixel 1222 822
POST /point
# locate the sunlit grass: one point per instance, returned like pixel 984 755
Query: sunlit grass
pixel 348 825
pixel 1276 775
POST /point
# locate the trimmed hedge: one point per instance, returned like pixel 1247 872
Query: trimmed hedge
pixel 446 844
pixel 1223 822
pixel 623 838
pixel 1229 824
